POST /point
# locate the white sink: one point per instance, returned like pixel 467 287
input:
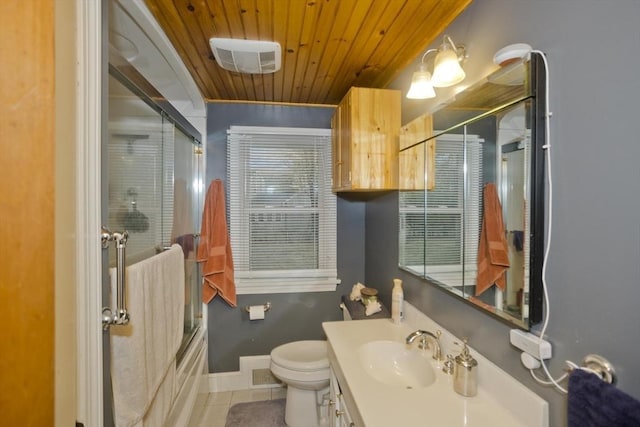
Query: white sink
pixel 386 383
pixel 395 364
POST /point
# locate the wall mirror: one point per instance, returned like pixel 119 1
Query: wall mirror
pixel 471 202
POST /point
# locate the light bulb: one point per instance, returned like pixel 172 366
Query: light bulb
pixel 447 70
pixel 421 87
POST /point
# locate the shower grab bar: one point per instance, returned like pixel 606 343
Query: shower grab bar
pixel 119 316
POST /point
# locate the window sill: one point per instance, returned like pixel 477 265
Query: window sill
pixel 283 289
pixel 248 287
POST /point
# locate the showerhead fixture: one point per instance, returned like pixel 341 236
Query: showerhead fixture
pixel 130 138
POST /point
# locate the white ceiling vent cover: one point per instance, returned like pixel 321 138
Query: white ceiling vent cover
pixel 246 56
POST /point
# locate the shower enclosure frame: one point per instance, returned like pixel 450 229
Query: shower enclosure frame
pixel 92 51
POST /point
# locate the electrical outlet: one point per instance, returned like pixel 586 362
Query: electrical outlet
pixel 531 344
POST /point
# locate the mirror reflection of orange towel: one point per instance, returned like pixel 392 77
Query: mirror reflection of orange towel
pixel 214 250
pixel 493 252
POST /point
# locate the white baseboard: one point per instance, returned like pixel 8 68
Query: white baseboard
pixel 237 380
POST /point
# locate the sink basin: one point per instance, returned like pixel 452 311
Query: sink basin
pixel 393 363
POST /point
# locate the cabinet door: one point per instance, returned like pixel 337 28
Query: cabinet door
pixel 336 153
pixel 365 129
pixel 344 420
pixel 345 140
pixel 334 392
pixel 375 123
pixel 417 164
pixel 338 413
pixel 340 145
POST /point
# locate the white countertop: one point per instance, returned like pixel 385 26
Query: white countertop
pixel 373 404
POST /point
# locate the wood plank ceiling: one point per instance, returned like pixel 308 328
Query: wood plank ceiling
pixel 327 45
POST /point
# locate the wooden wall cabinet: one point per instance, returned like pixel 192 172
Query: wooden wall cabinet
pixel 365 129
pixel 416 173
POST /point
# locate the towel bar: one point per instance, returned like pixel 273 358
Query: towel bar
pixel 119 316
pixel 598 365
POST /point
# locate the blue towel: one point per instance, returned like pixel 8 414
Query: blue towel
pixel 595 403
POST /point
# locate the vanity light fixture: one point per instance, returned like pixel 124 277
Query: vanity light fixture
pixel 447 70
pixel 421 86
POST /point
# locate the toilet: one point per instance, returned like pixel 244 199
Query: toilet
pixel 303 366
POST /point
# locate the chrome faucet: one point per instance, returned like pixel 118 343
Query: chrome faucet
pixel 425 337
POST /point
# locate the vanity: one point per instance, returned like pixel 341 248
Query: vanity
pixel 379 380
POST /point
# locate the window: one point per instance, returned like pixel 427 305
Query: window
pixel 282 213
pixel 443 244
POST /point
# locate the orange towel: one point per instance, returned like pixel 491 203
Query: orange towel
pixel 493 252
pixel 214 250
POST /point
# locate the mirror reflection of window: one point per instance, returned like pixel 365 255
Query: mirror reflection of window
pixel 501 119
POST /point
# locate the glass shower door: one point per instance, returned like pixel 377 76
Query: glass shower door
pixel 152 188
pixel 186 202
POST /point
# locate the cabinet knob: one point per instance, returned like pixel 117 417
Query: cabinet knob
pixel 339 413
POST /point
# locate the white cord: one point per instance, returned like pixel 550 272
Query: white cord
pixel 541 381
pixel 570 367
pixel 547 148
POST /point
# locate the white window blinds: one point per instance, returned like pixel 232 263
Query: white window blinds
pixel 282 213
pixel 444 237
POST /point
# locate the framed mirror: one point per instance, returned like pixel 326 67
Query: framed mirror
pixel 471 203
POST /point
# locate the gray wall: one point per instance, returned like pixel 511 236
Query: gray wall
pixel 292 316
pixel 594 269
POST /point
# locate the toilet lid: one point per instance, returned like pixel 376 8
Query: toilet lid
pixel 301 355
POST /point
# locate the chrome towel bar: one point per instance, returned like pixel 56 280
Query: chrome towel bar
pixel 119 316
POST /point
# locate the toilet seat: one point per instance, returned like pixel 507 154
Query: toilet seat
pixel 302 356
pixel 301 379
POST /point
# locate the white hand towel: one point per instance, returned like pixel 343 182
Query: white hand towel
pixel 143 352
pixel 372 308
pixel 355 292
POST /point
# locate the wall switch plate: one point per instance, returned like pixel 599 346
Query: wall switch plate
pixel 531 344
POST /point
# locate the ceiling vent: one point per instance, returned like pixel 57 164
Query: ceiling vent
pixel 246 56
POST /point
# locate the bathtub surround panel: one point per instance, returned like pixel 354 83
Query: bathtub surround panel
pixel 593 270
pixel 293 316
pixel 190 373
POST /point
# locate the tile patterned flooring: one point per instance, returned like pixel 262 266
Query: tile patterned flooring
pixel 211 408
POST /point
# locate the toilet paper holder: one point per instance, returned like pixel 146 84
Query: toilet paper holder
pixel 267 307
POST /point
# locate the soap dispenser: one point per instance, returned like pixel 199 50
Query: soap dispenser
pixel 465 373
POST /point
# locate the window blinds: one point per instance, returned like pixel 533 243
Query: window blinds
pixel 444 237
pixel 282 213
